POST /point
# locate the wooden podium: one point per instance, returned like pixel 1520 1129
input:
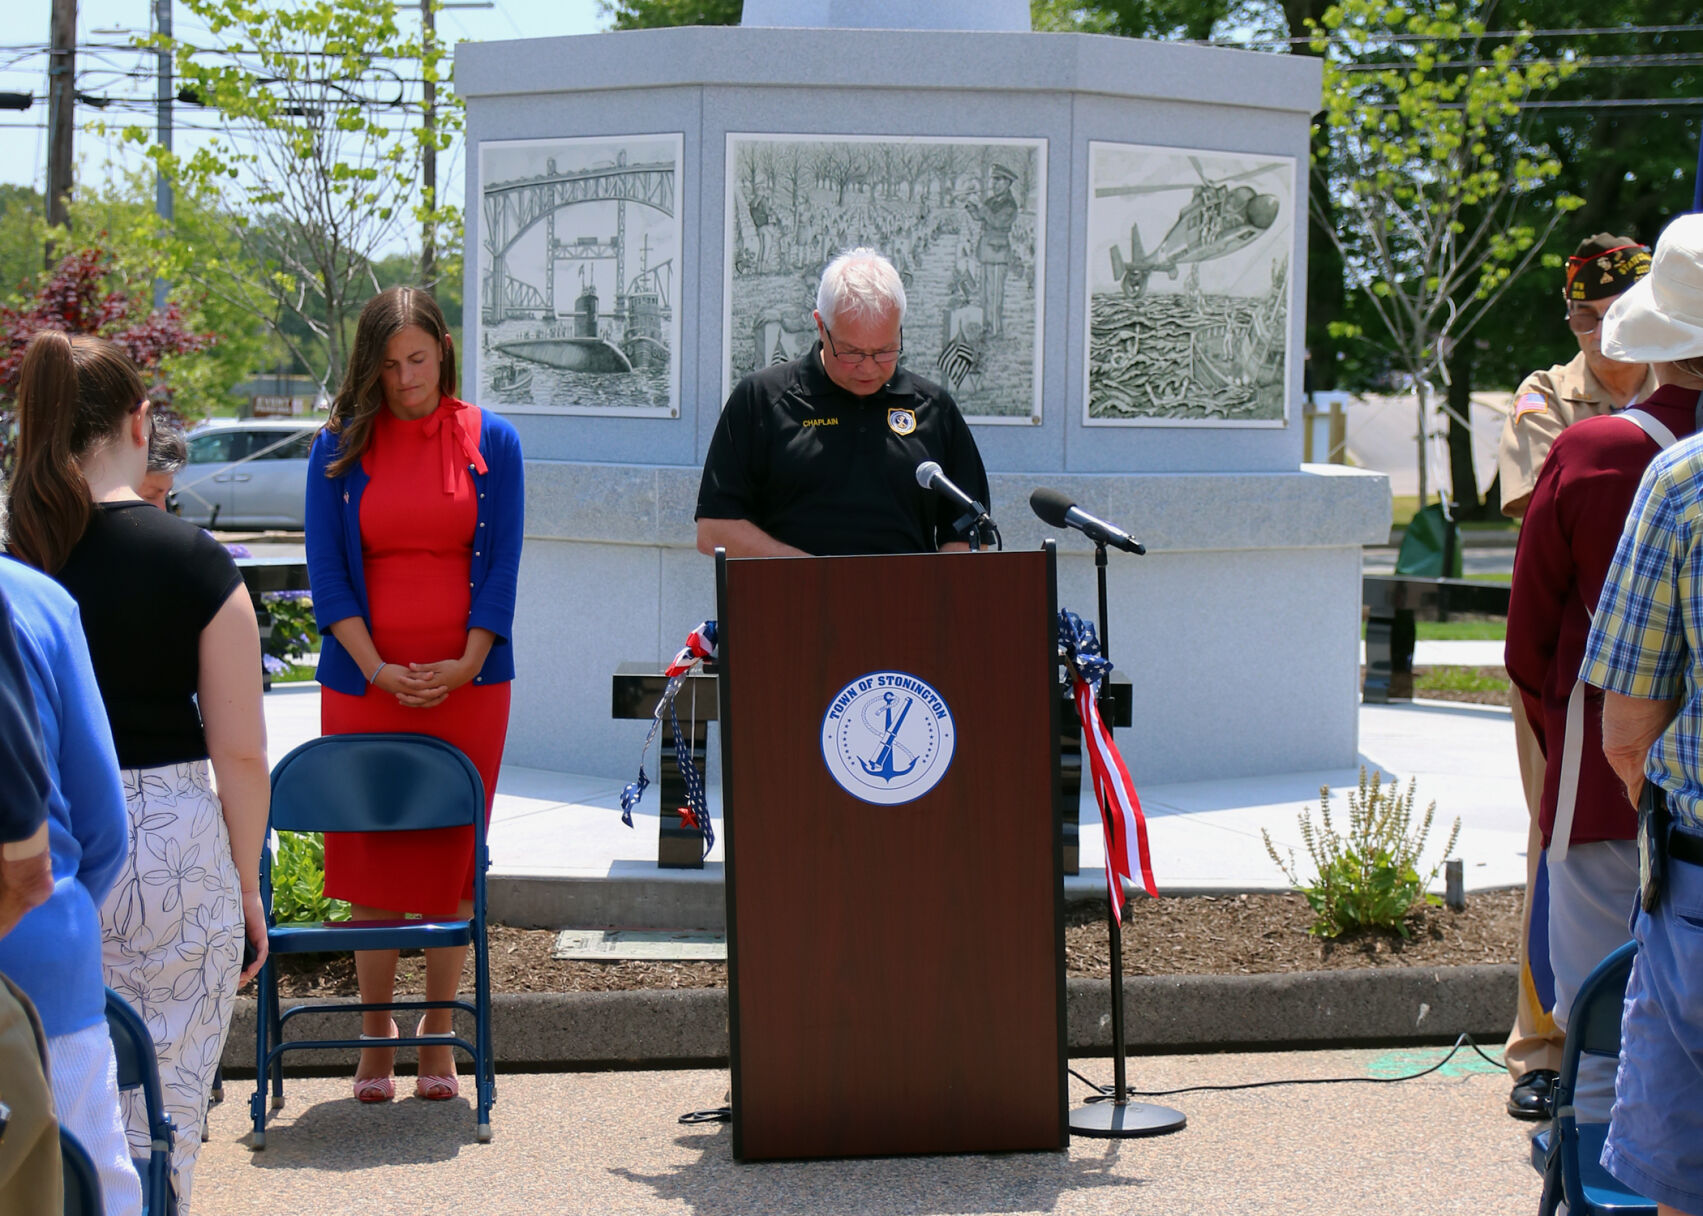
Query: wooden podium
pixel 895 909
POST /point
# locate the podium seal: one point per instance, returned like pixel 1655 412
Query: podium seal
pixel 887 737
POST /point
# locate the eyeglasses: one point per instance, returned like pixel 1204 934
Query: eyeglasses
pixel 1583 320
pixel 855 358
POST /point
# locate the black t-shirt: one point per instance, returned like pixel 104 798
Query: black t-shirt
pixel 830 472
pixel 147 584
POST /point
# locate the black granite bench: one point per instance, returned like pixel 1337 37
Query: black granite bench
pixel 1394 602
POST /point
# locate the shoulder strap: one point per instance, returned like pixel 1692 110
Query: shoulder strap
pixel 1652 427
pixel 1567 793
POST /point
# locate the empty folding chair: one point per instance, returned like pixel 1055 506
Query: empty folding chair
pixel 374 783
pixel 82 1183
pixel 139 1068
pixel 1569 1153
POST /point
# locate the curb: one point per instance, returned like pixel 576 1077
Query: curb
pixel 659 1028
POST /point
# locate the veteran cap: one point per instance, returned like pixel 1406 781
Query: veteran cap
pixel 1605 265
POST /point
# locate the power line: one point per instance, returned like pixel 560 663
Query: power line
pixel 1668 59
pixel 1394 37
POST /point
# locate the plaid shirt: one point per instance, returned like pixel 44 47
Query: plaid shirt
pixel 1647 636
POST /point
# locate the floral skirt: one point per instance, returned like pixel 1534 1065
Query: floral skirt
pixel 172 935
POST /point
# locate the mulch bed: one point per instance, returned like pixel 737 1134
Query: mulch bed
pixel 1187 935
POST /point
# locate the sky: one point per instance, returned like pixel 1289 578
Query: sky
pixel 111 23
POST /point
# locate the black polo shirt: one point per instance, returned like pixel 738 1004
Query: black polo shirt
pixel 830 472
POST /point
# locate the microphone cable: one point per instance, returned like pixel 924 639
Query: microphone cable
pixel 1104 1093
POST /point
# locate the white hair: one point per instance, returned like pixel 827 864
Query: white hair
pixel 858 284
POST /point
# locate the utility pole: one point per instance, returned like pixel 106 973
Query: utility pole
pixel 61 114
pixel 165 97
pixel 429 162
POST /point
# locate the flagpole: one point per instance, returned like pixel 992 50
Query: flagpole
pixel 1115 1116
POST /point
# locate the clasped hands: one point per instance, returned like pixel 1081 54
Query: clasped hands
pixel 423 685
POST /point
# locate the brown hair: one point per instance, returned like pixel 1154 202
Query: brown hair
pixel 362 396
pixel 74 393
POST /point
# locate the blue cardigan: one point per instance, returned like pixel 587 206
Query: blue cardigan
pixel 334 551
pixel 54 954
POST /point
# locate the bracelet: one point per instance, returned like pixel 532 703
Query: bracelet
pixel 373 679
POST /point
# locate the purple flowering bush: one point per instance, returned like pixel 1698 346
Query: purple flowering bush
pixel 294 634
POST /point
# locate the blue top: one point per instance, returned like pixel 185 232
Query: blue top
pixel 28 785
pixel 54 954
pixel 334 551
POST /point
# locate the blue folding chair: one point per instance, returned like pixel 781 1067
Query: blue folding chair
pixel 1569 1153
pixel 374 783
pixel 139 1068
pixel 82 1183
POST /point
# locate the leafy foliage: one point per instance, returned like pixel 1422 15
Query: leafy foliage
pixel 1429 172
pixel 298 882
pixel 23 222
pixel 657 14
pixel 318 161
pixel 1368 879
pixel 83 296
pixel 294 634
pixel 1131 18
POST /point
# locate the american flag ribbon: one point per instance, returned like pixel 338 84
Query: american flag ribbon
pixel 1120 807
pixel 957 360
pixel 700 645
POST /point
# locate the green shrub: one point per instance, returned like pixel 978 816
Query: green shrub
pixel 298 881
pixel 1368 879
pixel 294 634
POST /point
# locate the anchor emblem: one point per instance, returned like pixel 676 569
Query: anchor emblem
pixel 882 765
pixel 887 737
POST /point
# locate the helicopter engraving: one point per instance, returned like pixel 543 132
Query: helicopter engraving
pixel 1218 219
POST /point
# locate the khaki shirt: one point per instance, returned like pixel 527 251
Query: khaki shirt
pixel 1544 404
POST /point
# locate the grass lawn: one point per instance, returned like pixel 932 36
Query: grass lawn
pixel 1456 631
pixel 295 673
pixel 1405 506
pixel 1433 680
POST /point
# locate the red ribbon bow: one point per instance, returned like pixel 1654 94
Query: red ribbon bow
pixel 451 420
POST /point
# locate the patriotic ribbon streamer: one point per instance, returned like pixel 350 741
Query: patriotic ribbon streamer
pixel 1120 808
pixel 700 645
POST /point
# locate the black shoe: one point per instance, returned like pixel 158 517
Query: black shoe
pixel 1531 1095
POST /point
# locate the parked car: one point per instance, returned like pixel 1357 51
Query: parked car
pixel 247 474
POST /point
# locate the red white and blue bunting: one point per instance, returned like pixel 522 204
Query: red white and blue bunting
pixel 1120 808
pixel 700 645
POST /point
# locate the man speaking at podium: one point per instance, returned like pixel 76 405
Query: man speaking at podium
pixel 819 456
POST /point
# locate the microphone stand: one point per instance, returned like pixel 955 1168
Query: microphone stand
pixel 1114 1116
pixel 977 530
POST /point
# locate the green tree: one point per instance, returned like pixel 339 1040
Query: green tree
pixel 1134 18
pixel 657 14
pixel 119 217
pixel 1431 176
pixel 1631 162
pixel 318 161
pixel 23 221
pixel 1189 19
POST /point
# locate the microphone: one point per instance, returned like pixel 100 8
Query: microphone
pixel 930 476
pixel 1055 508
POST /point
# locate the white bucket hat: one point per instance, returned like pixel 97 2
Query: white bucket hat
pixel 1660 318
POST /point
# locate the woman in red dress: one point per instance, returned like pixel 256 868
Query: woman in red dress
pixel 414 525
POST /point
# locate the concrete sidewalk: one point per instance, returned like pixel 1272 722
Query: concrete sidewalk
pixel 561 856
pixel 610 1143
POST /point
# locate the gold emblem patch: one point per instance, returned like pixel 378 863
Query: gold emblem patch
pixel 901 422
